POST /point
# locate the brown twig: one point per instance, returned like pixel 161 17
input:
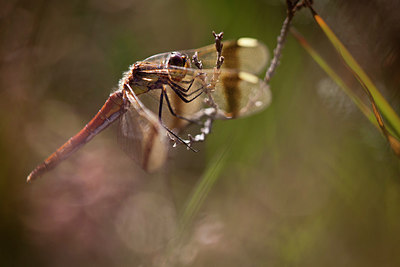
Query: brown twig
pixel 207 114
pixel 292 8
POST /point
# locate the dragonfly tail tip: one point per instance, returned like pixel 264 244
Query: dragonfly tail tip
pixel 33 175
pixel 29 178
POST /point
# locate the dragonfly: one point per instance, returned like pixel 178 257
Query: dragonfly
pixel 162 94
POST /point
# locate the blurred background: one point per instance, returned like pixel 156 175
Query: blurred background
pixel 307 182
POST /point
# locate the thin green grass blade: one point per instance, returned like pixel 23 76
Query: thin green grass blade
pixel 199 194
pixel 389 114
pixel 335 77
pixel 202 189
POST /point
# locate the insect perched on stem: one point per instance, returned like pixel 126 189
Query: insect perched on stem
pixel 159 96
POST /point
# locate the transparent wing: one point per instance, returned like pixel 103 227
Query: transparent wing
pixel 237 94
pixel 142 137
pixel 244 54
pixel 240 93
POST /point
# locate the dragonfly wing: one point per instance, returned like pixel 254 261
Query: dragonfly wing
pixel 142 137
pixel 237 94
pixel 152 101
pixel 240 93
pixel 244 54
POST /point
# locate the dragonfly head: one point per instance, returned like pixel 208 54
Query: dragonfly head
pixel 177 64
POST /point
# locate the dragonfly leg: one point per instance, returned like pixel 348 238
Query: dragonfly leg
pixel 176 88
pixel 183 90
pixel 171 110
pixel 165 127
pixel 188 82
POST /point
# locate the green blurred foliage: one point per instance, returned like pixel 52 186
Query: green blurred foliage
pixel 307 182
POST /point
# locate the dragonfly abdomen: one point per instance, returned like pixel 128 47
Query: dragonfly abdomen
pixel 112 109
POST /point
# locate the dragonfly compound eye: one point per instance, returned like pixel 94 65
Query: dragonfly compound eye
pixel 179 60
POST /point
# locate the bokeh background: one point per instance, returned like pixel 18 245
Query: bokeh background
pixel 307 182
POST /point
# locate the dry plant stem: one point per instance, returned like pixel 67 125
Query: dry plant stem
pixel 220 59
pixel 208 114
pixel 292 8
pixel 277 51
